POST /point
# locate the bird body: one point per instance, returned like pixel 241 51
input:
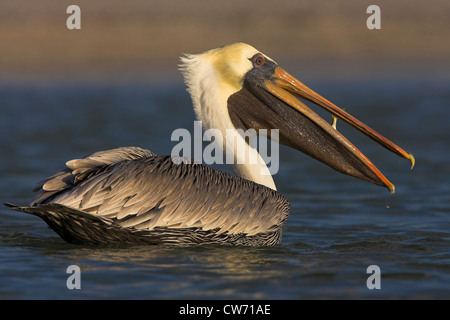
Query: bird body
pixel 124 195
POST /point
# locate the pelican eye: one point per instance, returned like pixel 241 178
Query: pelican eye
pixel 258 60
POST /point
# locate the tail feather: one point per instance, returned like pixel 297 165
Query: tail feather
pixel 75 226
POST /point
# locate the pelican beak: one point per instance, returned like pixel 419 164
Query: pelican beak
pixel 326 143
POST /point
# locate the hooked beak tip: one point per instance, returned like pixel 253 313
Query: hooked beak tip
pixel 391 189
pixel 412 159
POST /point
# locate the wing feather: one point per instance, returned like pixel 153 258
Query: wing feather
pixel 138 189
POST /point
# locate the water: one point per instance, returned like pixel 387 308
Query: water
pixel 337 228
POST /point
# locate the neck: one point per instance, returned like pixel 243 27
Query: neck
pixel 247 162
pixel 209 97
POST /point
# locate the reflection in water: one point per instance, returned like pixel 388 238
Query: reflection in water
pixel 314 262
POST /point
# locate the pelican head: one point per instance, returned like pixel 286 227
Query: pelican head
pixel 237 86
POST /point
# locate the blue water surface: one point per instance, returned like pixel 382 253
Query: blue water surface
pixel 337 228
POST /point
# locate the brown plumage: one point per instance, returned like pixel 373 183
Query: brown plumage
pixel 122 195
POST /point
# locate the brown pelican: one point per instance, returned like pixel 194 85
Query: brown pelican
pixel 131 195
